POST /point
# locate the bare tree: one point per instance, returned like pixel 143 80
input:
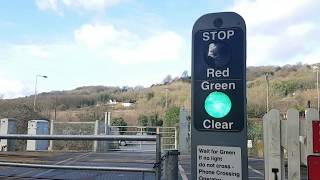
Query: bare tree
pixel 167 79
pixel 184 75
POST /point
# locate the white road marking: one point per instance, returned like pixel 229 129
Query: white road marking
pixel 256 171
pixel 183 173
pixel 72 160
pixel 60 162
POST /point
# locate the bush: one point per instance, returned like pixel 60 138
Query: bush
pixel 143 120
pixel 172 116
pixel 119 121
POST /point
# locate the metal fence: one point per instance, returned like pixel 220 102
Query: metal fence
pixel 156 138
pixel 72 128
pixel 169 137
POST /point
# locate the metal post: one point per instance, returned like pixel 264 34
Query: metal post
pixel 55 107
pixel 171 165
pixel 166 98
pixel 175 137
pixel 158 157
pixel 183 131
pixel 35 91
pixel 105 122
pixel 267 78
pixel 107 118
pixel 141 131
pixel 35 94
pixel 316 69
pixel 318 89
pixel 51 133
pixel 107 130
pixel 96 132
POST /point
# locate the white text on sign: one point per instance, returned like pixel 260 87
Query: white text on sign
pixel 211 124
pixel 217 35
pixel 217 73
pixel 218 163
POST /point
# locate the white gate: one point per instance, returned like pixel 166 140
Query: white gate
pixel 291 137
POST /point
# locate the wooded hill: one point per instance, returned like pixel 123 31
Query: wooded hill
pixel 290 86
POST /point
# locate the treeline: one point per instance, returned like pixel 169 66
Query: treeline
pixel 85 97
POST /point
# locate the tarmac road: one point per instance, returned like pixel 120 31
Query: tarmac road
pixel 110 159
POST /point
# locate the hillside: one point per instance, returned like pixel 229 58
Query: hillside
pixel 290 86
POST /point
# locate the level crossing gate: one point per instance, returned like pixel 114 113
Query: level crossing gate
pixel 288 138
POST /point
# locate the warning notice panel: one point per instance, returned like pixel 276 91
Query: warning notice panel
pixel 218 163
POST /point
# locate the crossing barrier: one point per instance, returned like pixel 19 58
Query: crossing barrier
pixel 289 137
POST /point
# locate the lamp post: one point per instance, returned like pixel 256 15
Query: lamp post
pixel 268 74
pixel 166 98
pixel 35 90
pixel 316 69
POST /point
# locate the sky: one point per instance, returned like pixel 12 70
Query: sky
pixel 137 42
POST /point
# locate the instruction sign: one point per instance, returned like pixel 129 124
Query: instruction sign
pixel 218 162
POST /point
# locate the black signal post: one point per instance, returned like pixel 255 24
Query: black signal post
pixel 219 132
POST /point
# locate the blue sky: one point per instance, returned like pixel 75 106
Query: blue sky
pixel 136 42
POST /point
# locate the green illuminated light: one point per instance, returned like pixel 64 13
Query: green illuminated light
pixel 217 104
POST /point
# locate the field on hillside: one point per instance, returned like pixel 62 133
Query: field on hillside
pixel 290 86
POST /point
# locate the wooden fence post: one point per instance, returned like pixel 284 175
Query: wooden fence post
pixel 292 135
pixel 302 139
pixel 266 149
pixel 273 153
pixel 293 145
pixel 311 115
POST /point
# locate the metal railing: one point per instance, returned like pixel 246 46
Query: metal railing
pixel 169 136
pixel 156 138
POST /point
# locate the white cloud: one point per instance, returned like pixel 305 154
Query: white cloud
pixel 97 35
pixel 10 88
pixel 37 51
pixel 94 45
pixel 89 5
pixel 280 31
pixel 126 47
pixel 49 5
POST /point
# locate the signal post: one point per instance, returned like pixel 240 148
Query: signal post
pixel 219 130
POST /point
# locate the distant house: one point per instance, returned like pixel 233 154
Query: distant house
pixel 112 102
pixel 127 104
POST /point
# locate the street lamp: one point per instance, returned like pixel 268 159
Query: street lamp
pixel 268 74
pixel 316 69
pixel 35 90
pixel 166 98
